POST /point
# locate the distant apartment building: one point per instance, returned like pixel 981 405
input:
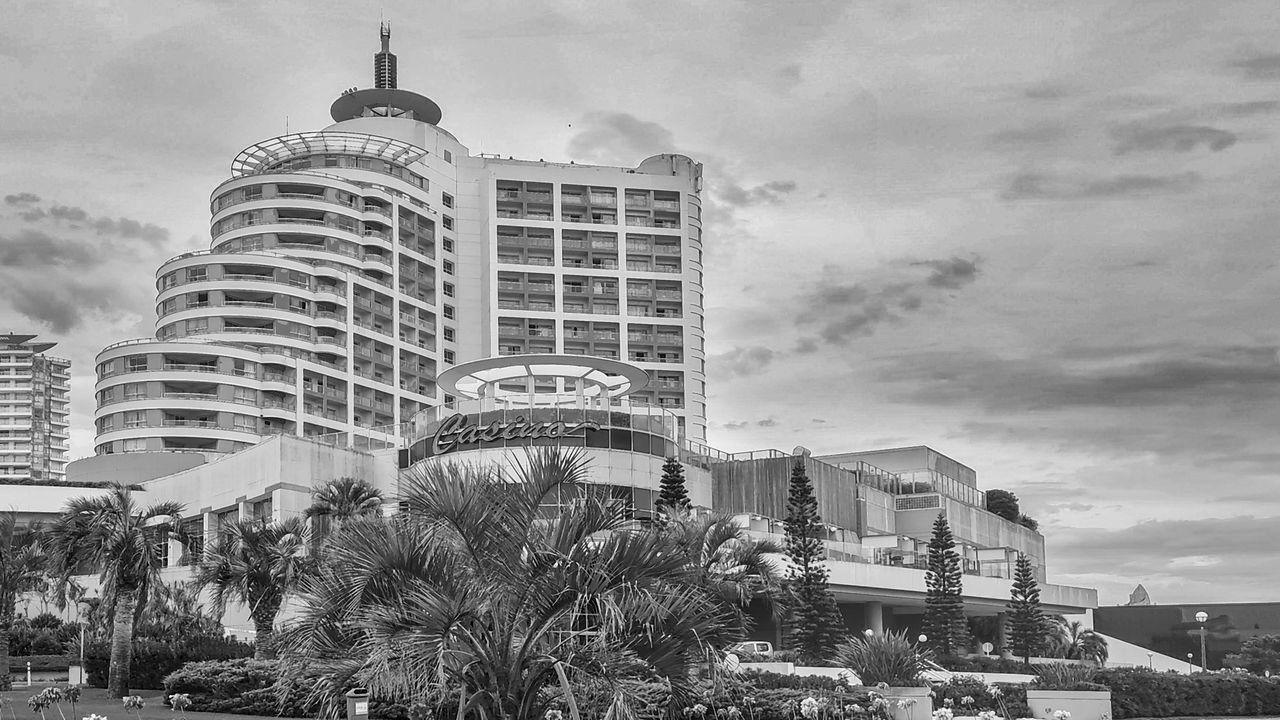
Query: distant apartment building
pixel 35 398
pixel 349 267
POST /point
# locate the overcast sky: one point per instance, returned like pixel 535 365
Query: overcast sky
pixel 1039 237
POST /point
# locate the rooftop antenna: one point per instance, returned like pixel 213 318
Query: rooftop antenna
pixel 384 62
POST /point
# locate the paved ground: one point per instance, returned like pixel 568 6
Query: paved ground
pixel 13 706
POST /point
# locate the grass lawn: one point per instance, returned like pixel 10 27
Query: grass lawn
pixel 13 706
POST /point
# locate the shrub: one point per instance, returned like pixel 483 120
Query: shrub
pixel 982 664
pixel 1012 696
pixel 1067 676
pixel 153 660
pixel 1143 693
pixel 651 700
pixel 882 658
pixel 18 663
pixel 259 687
pixel 762 680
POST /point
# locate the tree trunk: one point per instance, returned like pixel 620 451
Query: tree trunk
pixel 121 643
pixel 6 680
pixel 264 641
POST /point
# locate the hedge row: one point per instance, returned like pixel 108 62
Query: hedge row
pixel 254 687
pixel 1142 693
pixel 153 660
pixel 18 663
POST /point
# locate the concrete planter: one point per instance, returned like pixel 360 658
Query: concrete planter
pixel 1082 704
pixel 917 703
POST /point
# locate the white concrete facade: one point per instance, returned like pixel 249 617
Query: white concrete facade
pixel 35 406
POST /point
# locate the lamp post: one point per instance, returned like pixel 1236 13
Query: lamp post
pixel 1201 617
pixel 1189 656
pixel 1151 663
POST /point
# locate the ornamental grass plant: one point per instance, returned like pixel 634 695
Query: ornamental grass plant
pixel 888 658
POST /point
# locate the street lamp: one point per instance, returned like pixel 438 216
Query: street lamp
pixel 1151 663
pixel 923 638
pixel 1201 617
pixel 1189 656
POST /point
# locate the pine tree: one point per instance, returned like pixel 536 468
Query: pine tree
pixel 815 626
pixel 673 494
pixel 944 620
pixel 1026 620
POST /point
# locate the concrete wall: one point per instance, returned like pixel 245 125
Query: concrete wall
pixel 131 468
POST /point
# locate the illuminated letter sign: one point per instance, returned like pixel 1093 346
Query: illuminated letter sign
pixel 460 430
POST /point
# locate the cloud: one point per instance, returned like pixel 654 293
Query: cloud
pixel 770 193
pixel 743 362
pixel 951 274
pixel 1041 186
pixel 61 265
pixel 1030 135
pixel 24 198
pixel 1048 90
pixel 736 425
pixel 1247 109
pixel 616 138
pixel 1171 557
pixel 767 423
pixel 1141 137
pixel 1125 378
pixel 843 309
pixel 1260 67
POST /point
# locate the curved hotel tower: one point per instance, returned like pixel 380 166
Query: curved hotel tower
pixel 349 267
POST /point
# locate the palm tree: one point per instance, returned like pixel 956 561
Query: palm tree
pixel 338 501
pixel 475 594
pixel 114 535
pixel 174 611
pixel 1073 641
pixel 256 563
pixel 724 559
pixel 22 565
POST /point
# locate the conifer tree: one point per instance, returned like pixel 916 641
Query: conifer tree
pixel 1026 619
pixel 815 626
pixel 673 493
pixel 944 621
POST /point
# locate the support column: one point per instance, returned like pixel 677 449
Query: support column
pixel 874 617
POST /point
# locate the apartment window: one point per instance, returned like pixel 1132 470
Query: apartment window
pixel 448 245
pixel 134 445
pixel 196 274
pixel 448 334
pixel 246 423
pixel 135 419
pixel 448 157
pixel 169 280
pixel 449 357
pixel 448 267
pixel 197 325
pixel 135 391
pixel 449 311
pixel 170 305
pixel 447 222
pixel 136 363
pixel 448 289
pixel 447 199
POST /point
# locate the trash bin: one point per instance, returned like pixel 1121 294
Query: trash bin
pixel 358 704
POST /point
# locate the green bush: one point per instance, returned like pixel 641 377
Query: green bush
pixel 762 680
pixel 258 687
pixel 1143 693
pixel 44 663
pixel 983 664
pixel 1013 697
pixel 651 700
pixel 1067 676
pixel 153 660
pixel 882 658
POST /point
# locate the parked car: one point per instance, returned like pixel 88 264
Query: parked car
pixel 752 647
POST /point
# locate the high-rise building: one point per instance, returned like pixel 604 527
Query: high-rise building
pixel 349 266
pixel 35 397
